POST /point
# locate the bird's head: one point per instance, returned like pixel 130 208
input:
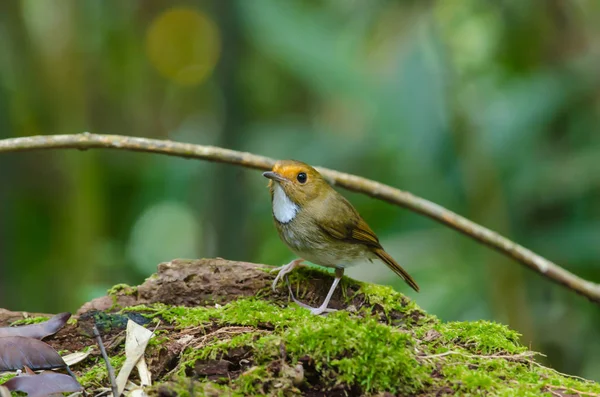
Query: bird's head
pixel 300 182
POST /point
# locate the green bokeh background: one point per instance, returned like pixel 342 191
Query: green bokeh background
pixel 489 108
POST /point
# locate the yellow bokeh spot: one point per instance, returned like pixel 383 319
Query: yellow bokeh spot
pixel 183 44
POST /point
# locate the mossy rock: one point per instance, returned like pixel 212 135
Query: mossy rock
pixel 222 331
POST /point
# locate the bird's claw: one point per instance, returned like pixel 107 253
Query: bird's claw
pixel 314 310
pixel 318 310
pixel 285 270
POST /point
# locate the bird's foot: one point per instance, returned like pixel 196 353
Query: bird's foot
pixel 314 310
pixel 322 310
pixel 285 270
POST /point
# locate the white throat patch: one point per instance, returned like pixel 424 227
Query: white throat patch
pixel 284 209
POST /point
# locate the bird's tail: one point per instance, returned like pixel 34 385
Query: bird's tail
pixel 392 264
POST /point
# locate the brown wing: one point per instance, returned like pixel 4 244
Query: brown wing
pixel 344 223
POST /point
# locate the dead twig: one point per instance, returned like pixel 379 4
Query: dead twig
pixel 228 332
pixel 561 373
pixel 570 390
pixel 527 354
pixel 109 367
pixel 374 189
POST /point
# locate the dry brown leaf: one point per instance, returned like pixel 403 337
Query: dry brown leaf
pixel 37 331
pixel 44 384
pixel 18 351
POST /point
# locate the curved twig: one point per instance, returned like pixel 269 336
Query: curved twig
pixel 374 189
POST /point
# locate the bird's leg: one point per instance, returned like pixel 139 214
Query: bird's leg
pixel 304 305
pixel 339 273
pixel 285 270
pixel 289 285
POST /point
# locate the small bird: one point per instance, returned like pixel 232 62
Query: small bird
pixel 319 225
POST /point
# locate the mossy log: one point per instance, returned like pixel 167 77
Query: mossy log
pixel 222 331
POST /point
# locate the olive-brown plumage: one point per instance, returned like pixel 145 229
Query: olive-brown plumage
pixel 320 225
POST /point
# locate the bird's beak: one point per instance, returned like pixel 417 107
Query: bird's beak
pixel 274 176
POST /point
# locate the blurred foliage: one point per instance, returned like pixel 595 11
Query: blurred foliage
pixel 489 108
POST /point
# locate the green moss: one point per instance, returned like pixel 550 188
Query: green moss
pixel 388 345
pixel 254 381
pixel 216 348
pixel 251 382
pixel 391 300
pixel 253 312
pixel 182 316
pixel 358 351
pixel 480 337
pixel 506 377
pixel 122 289
pixel 188 387
pixel 361 350
pixel 29 320
pixel 365 353
pixel 97 375
pixel 119 289
pixel 385 296
pixel 160 338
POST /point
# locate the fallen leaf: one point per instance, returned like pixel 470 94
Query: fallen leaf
pixel 37 331
pixel 135 344
pixel 144 372
pixel 77 357
pixel 131 386
pixel 4 392
pixel 44 384
pixel 138 393
pixel 18 351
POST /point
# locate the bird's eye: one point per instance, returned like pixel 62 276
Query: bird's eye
pixel 301 177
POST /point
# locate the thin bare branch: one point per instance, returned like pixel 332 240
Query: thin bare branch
pixel 109 368
pixel 371 188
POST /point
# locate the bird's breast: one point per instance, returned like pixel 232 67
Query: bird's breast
pixel 284 209
pixel 310 242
